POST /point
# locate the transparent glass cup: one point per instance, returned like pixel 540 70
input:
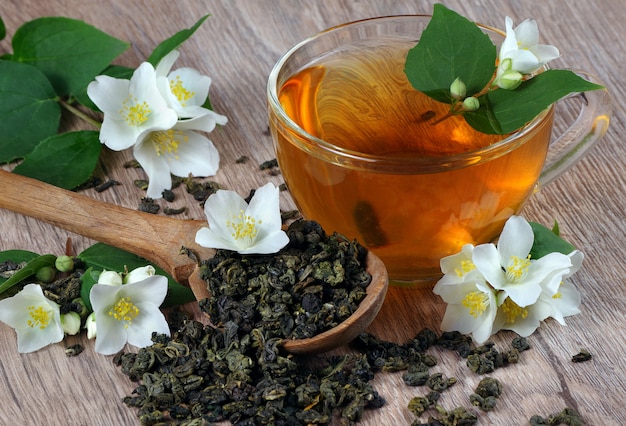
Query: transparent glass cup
pixel 410 210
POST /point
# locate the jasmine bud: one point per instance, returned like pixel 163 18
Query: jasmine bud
pixel 70 323
pixel 458 89
pixel 90 325
pixel 471 104
pixel 46 274
pixel 509 80
pixel 110 278
pixel 78 306
pixel 64 263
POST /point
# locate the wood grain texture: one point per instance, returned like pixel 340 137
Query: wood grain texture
pixel 237 47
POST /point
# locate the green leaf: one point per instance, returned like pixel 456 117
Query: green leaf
pixel 512 109
pixel 102 256
pixel 3 29
pixel 29 111
pixel 88 280
pixel 174 41
pixel 17 256
pixel 68 51
pixel 546 241
pixel 65 160
pixel 116 71
pixel 451 46
pixel 28 270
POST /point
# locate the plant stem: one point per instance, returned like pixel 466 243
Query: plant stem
pixel 79 113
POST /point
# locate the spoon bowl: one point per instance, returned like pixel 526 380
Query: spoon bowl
pixel 159 239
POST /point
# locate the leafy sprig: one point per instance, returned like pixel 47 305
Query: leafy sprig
pixel 452 47
pixel 53 61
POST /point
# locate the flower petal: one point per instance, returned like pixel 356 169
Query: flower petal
pixel 487 261
pixel 516 239
pixel 154 166
pixel 196 155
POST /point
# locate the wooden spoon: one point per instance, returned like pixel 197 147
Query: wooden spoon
pixel 159 239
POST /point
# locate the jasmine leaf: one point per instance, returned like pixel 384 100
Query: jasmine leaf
pixel 30 269
pixel 512 109
pixel 451 46
pixel 116 71
pixel 174 41
pixel 3 29
pixel 68 51
pixel 102 256
pixel 88 280
pixel 16 256
pixel 29 111
pixel 546 241
pixel 65 160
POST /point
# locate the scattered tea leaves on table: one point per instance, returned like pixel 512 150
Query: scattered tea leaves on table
pixel 582 356
pixel 29 269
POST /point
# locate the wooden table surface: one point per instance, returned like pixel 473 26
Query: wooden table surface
pixel 237 47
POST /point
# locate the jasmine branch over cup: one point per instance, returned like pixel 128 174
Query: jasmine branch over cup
pixel 367 155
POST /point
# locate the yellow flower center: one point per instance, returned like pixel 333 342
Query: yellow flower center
pixel 39 317
pixel 135 113
pixel 124 310
pixel 466 266
pixel 512 311
pixel 517 269
pixel 243 226
pixel 476 302
pixel 178 90
pixel 167 141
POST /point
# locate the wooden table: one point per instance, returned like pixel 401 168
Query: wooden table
pixel 237 47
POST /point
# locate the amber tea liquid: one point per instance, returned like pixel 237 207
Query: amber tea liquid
pixel 410 216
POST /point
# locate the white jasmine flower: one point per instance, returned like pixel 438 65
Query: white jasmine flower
pixel 132 108
pixel 176 151
pixel 241 227
pixel 508 266
pixel 184 89
pixel 36 319
pixel 139 274
pixel 128 313
pixel 521 52
pixel 472 305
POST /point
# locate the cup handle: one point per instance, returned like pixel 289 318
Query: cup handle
pixel 590 125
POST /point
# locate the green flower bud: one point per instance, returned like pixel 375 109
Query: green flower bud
pixel 110 278
pixel 509 80
pixel 458 89
pixel 64 263
pixel 471 104
pixel 70 323
pixel 139 274
pixel 46 274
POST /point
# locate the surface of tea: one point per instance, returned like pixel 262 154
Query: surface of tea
pixel 410 215
pixel 362 101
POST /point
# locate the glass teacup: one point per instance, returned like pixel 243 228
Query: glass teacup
pixel 341 112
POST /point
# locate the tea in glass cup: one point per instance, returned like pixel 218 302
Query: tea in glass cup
pixel 366 155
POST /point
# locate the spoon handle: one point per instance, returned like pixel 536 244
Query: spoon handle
pixel 155 238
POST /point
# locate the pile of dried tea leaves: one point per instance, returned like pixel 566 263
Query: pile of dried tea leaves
pixel 313 284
